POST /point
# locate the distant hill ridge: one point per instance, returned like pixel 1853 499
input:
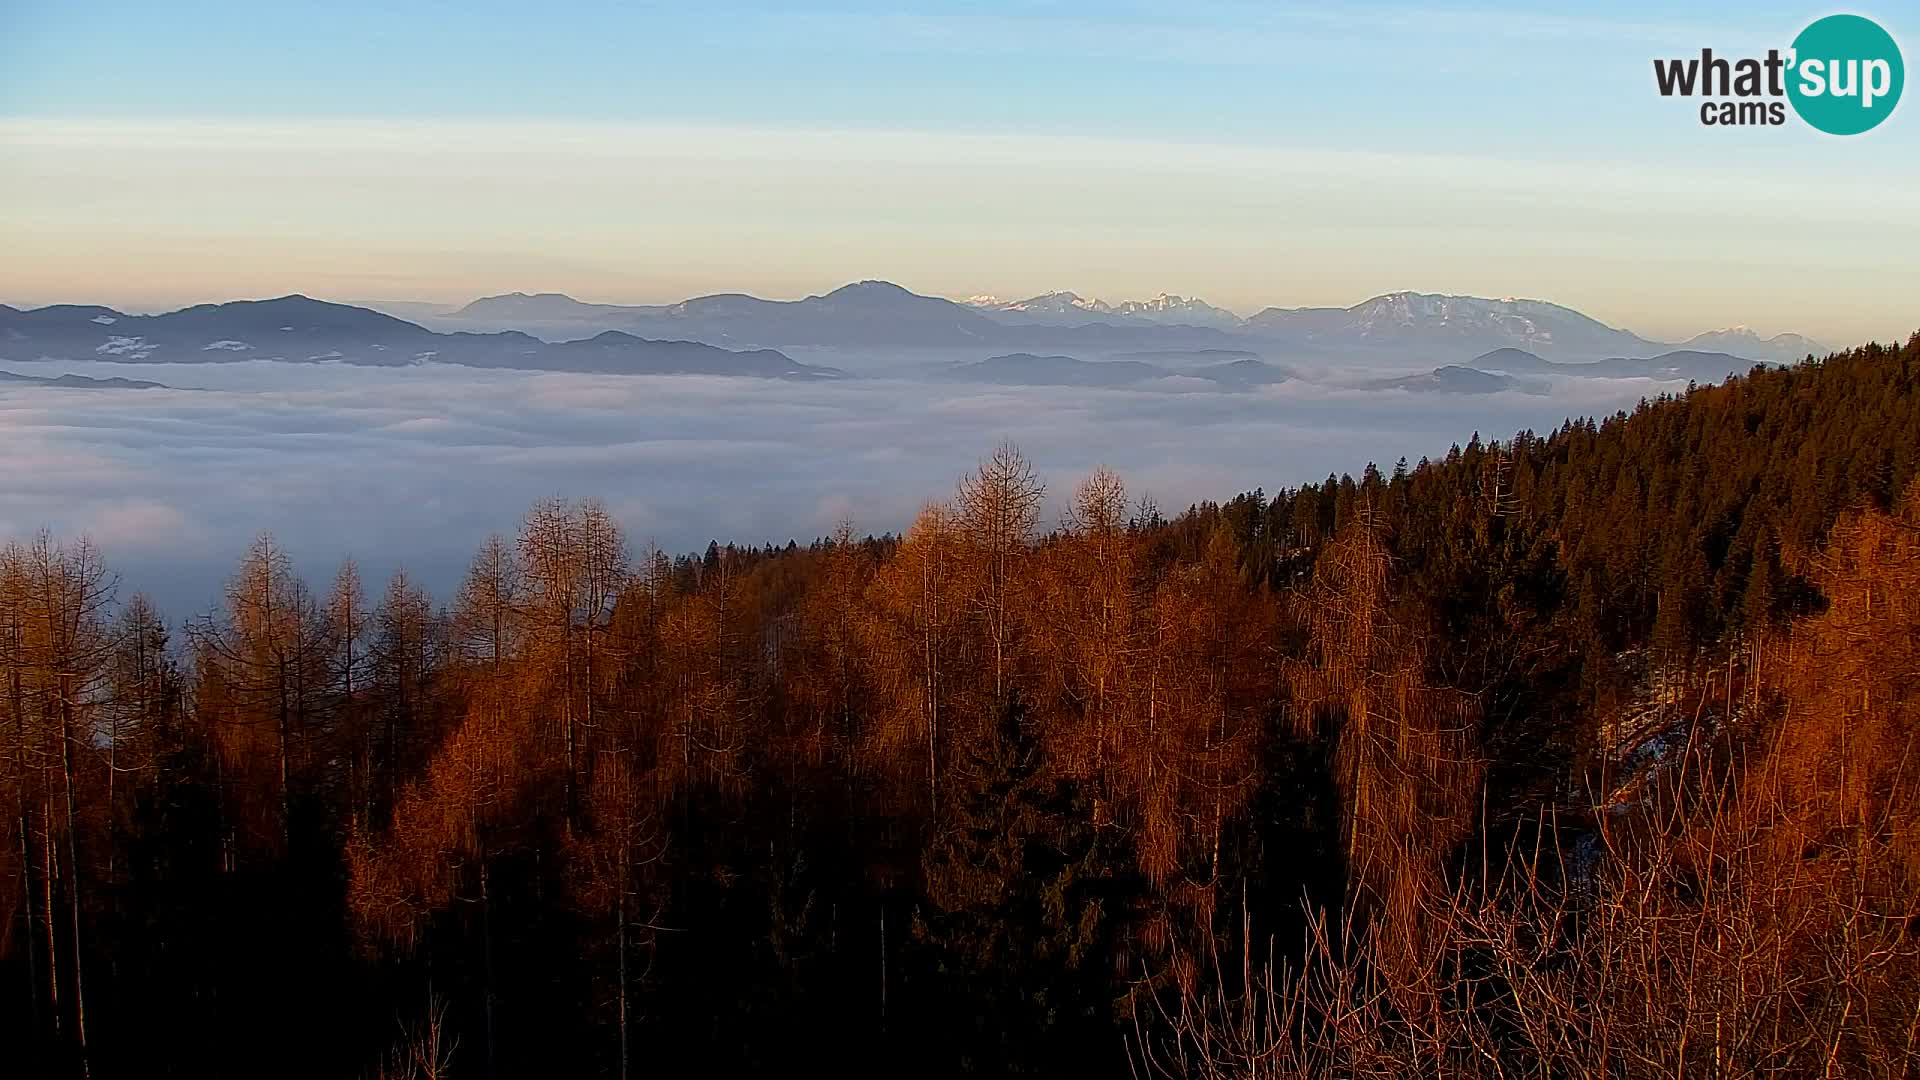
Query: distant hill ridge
pixel 518 330
pixel 77 382
pixel 875 313
pixel 1691 364
pixel 300 329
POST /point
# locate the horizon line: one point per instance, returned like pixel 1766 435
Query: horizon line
pixel 451 307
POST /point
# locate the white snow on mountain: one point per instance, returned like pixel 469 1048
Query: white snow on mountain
pixel 1745 341
pixel 1520 320
pixel 1058 303
pixel 134 347
pixel 1067 307
pixel 1169 308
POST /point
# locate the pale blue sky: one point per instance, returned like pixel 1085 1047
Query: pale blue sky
pixel 1250 153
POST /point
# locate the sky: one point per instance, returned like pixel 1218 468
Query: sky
pixel 1252 154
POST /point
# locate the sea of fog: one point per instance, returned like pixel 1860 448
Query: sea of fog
pixel 415 466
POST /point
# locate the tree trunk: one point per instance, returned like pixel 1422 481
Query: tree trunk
pixel 566 697
pixel 47 871
pixel 14 697
pixel 73 875
pixel 486 953
pixel 622 943
pixel 286 795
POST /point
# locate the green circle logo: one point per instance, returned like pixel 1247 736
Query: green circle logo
pixel 1846 74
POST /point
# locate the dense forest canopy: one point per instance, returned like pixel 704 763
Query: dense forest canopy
pixel 1590 751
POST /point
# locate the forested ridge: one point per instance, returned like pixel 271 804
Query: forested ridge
pixel 1584 753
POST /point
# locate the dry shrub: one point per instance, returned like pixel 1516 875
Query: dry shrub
pixel 1689 951
pixel 1753 914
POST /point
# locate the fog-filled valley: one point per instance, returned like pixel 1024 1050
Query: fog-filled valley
pixel 404 437
pixel 416 465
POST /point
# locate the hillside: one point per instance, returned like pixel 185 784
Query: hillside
pixel 76 382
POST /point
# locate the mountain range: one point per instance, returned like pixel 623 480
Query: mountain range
pixel 1741 341
pixel 741 335
pixel 1508 368
pixel 1415 320
pixel 298 329
pixel 867 313
pixel 1692 364
pixel 1070 309
pixel 872 314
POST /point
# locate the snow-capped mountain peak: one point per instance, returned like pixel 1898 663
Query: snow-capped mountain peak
pixel 1176 309
pixel 1746 341
pixel 1401 318
pixel 1060 301
pixel 1065 308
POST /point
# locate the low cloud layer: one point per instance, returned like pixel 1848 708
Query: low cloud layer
pixel 416 466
